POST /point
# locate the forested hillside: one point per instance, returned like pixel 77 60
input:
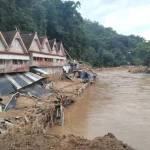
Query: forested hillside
pixel 83 39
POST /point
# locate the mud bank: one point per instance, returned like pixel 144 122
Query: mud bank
pixel 28 141
pixel 33 134
pixel 139 69
pixel 119 103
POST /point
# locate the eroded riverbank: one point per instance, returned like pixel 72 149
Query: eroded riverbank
pixel 119 103
pixel 32 128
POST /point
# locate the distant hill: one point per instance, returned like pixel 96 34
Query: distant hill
pixel 83 39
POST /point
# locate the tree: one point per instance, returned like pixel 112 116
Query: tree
pixel 82 38
pixel 100 59
pixel 108 58
pixel 142 51
pixel 90 56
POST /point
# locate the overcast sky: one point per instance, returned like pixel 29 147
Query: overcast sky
pixel 125 16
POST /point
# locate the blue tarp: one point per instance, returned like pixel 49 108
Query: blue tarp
pixel 87 75
pixel 82 75
pixel 90 77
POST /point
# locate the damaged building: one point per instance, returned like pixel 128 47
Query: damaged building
pixel 24 57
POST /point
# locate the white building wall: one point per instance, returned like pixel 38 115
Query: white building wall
pixel 8 64
pixel 48 56
pixel 13 56
pixel 61 51
pixel 45 48
pixel 31 59
pixel 53 52
pixel 34 45
pixel 2 47
pixel 54 49
pixel 16 47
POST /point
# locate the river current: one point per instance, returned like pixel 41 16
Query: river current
pixel 118 103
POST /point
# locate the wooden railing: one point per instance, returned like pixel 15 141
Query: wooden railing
pixel 20 67
pixel 38 63
pixel 4 68
pixel 47 64
pixel 14 68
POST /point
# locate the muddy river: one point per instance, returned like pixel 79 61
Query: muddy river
pixel 119 103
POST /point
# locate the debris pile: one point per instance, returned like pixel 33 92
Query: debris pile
pixel 3 125
pixel 84 65
pixel 85 75
pixel 88 76
pixel 28 121
pixel 139 69
pixel 80 70
pixel 34 109
pixel 34 118
pixel 43 114
pixel 22 140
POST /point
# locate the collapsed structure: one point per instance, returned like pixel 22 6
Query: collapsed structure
pixel 23 58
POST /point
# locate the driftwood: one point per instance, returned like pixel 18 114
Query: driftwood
pixel 68 77
pixel 46 114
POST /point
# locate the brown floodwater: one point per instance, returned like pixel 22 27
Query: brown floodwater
pixel 118 103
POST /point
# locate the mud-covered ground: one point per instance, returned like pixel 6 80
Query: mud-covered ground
pixel 28 141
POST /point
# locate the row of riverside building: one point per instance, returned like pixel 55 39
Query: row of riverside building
pixel 20 52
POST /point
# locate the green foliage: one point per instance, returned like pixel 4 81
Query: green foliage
pixel 90 56
pixel 100 58
pixel 108 58
pixel 142 53
pixel 117 49
pixel 82 38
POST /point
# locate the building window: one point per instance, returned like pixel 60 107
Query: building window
pixel 51 60
pixel 20 62
pixel 26 62
pixel 2 61
pixel 15 62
